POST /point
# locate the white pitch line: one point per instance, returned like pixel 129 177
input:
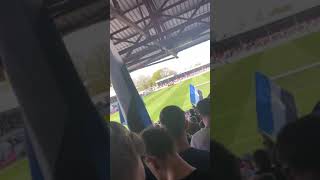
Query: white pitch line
pixel 294 71
pixel 202 84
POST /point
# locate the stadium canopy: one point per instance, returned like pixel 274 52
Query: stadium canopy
pixel 68 16
pixel 72 15
pixel 145 31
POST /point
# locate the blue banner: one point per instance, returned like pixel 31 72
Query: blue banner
pixel 195 95
pixel 275 106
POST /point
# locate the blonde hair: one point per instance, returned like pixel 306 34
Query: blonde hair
pixel 125 149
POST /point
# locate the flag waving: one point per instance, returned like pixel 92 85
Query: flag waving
pixel 275 106
pixel 195 95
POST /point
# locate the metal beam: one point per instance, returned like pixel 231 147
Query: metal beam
pixel 194 13
pixel 152 38
pixel 162 21
pixel 161 56
pixel 117 13
pixel 186 36
pixel 154 17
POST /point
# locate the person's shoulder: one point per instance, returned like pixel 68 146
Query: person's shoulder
pixel 197 134
pixel 201 132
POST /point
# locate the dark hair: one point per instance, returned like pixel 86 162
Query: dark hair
pixel 173 119
pixel 158 142
pixel 125 150
pixel 316 109
pixel 298 144
pixel 204 107
pixel 225 165
pixel 262 159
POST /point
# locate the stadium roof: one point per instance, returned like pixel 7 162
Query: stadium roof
pixel 72 15
pixel 145 31
pixel 69 16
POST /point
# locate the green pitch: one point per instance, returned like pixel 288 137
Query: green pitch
pixel 17 171
pixel 234 112
pixel 174 95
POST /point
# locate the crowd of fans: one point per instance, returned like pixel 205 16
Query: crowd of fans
pixel 179 77
pixel 11 138
pixel 293 155
pixel 178 148
pixel 264 36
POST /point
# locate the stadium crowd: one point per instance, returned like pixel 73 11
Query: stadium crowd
pixel 11 141
pixel 178 148
pixel 261 37
pixel 181 76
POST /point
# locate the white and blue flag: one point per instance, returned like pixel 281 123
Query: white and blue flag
pixel 275 106
pixel 195 95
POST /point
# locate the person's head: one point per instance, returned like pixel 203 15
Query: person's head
pixel 192 122
pixel 316 109
pixel 261 160
pixel 159 150
pixel 298 148
pixel 225 165
pixel 126 149
pixel 172 118
pixel 204 108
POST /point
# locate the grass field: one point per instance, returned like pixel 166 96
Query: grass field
pixel 174 95
pixel 234 112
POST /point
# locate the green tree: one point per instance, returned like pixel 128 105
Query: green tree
pixel 160 74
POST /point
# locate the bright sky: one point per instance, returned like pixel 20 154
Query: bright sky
pixel 199 54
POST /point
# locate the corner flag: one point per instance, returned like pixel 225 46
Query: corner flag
pixel 275 106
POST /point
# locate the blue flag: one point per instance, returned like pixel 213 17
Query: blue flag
pixel 195 95
pixel 275 106
pixel 131 104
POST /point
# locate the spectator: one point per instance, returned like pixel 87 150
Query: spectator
pixel 201 139
pixel 247 168
pixel 125 151
pixel 172 118
pixel 225 165
pixel 5 150
pixel 298 148
pixel 263 165
pixel 164 161
pixel 193 122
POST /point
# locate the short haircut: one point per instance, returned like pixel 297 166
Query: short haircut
pixel 298 144
pixel 262 159
pixel 173 119
pixel 158 142
pixel 316 109
pixel 204 107
pixel 125 150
